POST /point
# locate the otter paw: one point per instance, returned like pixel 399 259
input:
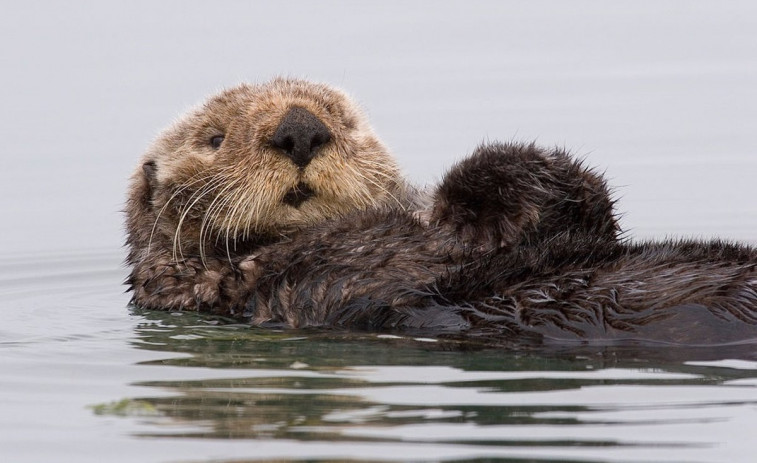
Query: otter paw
pixel 186 285
pixel 250 269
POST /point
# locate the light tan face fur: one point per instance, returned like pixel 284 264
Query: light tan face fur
pixel 194 198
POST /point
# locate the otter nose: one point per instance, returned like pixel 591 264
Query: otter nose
pixel 300 135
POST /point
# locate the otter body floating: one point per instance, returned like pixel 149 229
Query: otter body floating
pixel 276 203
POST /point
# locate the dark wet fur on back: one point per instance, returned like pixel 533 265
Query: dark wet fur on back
pixel 575 289
pixel 683 292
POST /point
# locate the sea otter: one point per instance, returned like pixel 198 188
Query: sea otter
pixel 277 203
pixel 256 164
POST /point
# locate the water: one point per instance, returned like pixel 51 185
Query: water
pixel 660 95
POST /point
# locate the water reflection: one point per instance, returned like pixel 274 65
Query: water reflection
pixel 314 386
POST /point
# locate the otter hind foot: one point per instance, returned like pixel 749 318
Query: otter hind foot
pixel 510 193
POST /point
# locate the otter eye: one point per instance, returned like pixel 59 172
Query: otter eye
pixel 216 141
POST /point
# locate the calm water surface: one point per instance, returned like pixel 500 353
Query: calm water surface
pixel 660 95
pixel 85 379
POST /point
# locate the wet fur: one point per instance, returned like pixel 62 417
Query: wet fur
pixel 570 288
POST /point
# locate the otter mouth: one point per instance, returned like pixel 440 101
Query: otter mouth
pixel 298 195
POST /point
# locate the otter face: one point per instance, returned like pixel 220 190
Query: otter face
pixel 255 162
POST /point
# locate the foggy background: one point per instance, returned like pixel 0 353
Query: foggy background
pixel 662 95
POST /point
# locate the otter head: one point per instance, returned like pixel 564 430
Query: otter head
pixel 253 163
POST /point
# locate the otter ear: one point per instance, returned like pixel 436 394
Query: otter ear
pixel 151 176
pixel 150 171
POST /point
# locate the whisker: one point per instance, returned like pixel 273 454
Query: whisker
pixel 219 201
pixel 189 182
pixel 177 234
pixel 372 200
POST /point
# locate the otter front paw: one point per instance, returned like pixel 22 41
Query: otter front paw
pixel 189 284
